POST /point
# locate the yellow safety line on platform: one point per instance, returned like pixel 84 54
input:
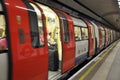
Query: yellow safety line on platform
pixel 98 61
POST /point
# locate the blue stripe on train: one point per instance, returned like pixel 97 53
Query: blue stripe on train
pixel 81 58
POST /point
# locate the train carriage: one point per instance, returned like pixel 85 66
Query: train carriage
pixel 81 40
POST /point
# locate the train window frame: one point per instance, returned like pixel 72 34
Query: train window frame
pixel 34 30
pixel 64 24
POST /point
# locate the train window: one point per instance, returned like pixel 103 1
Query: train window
pixel 77 32
pixel 3 41
pixel 66 31
pixel 103 33
pixel 1 9
pixel 37 32
pixel 64 24
pixel 84 33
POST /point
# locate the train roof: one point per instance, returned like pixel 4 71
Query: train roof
pixel 78 22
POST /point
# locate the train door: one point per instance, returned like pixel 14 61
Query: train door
pixel 106 37
pixel 91 38
pixel 100 37
pixel 111 35
pixel 103 37
pixel 29 53
pixel 53 38
pixel 96 37
pixel 68 43
pixel 3 45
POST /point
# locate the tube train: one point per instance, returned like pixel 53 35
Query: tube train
pixel 43 42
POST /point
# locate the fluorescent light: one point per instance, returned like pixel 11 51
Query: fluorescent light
pixel 118 0
pixel 119 3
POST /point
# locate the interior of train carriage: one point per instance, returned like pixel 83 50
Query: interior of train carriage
pixel 3 46
pixel 54 39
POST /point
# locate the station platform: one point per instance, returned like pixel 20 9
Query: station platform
pixel 105 67
pixel 110 67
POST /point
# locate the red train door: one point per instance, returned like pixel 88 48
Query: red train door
pixel 29 53
pixel 103 37
pixel 68 41
pixel 91 38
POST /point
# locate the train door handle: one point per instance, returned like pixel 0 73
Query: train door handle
pixel 21 35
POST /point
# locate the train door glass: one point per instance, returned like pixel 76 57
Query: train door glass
pixel 65 30
pixel 3 46
pixel 64 24
pixel 54 40
pixel 40 28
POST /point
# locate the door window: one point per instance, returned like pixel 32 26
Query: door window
pixel 64 24
pixel 3 41
pixel 36 25
pixel 1 9
pixel 39 24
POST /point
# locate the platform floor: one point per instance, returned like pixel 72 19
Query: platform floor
pixel 109 68
pixel 104 67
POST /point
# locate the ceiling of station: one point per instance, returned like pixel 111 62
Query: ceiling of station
pixel 107 10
